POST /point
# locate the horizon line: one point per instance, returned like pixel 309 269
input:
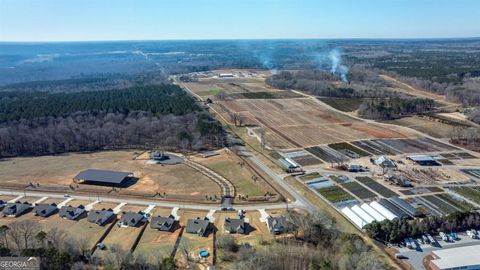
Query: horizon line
pixel 239 39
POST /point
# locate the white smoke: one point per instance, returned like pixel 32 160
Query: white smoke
pixel 337 66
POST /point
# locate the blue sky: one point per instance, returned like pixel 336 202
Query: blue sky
pixel 71 20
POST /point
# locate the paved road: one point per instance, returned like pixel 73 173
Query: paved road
pixel 300 201
pixel 197 206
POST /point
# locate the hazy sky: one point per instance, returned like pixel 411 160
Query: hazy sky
pixel 67 20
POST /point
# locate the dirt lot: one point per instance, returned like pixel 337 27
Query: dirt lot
pixel 230 166
pixel 59 171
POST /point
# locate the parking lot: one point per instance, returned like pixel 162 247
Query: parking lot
pixel 415 257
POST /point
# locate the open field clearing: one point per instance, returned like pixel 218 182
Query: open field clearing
pixel 343 104
pixel 377 187
pixel 304 122
pixel 237 172
pixel 433 128
pixel 58 171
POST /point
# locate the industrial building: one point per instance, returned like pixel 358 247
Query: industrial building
pixel 404 206
pixel 465 258
pixel 383 211
pixel 372 212
pixel 103 177
pixel 424 160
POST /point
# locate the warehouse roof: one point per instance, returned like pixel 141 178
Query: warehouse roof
pixel 104 176
pixel 456 257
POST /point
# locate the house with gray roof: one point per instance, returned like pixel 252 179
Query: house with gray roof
pixel 132 219
pixel 16 209
pixel 198 226
pixel 277 225
pixel 45 209
pixel 162 223
pixel 71 212
pixel 100 217
pixel 235 225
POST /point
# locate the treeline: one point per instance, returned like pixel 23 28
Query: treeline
pixel 88 131
pixel 158 100
pixel 97 82
pixel 390 108
pixel 362 83
pixel 316 244
pixel 59 250
pixel 398 229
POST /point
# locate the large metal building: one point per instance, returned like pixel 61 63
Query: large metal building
pixel 103 177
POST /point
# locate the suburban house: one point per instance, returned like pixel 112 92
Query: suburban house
pixel 103 177
pixel 162 223
pixel 198 226
pixel 131 219
pixel 16 209
pixel 71 212
pixel 277 225
pixel 235 225
pixel 100 217
pixel 45 209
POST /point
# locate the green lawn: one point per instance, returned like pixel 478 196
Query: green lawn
pixel 211 92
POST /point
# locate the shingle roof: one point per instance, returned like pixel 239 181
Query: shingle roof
pixel 162 223
pixel 234 225
pixel 16 209
pixel 100 217
pixel 277 224
pixel 105 176
pixel 71 212
pixel 131 219
pixel 198 226
pixel 44 209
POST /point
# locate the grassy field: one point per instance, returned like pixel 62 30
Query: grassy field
pixel 59 171
pixel 210 92
pixel 232 167
pixel 334 194
pixel 462 205
pixel 433 128
pixel 471 193
pixel 265 95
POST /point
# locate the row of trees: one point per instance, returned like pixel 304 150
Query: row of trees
pixel 389 108
pixel 87 131
pixel 398 229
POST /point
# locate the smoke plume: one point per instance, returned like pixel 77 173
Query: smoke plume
pixel 337 66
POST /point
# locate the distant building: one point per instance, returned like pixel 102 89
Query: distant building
pixel 235 225
pixel 277 225
pixel 162 223
pixel 198 226
pixel 103 177
pixel 424 160
pixel 71 212
pixel 465 258
pixel 45 209
pixel 100 217
pixel 385 162
pixel 132 219
pixel 16 209
pixel 226 75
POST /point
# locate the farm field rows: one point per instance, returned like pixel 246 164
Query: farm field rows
pixel 471 193
pixel 379 188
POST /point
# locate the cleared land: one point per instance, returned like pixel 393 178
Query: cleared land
pixel 343 104
pixel 234 169
pixel 431 127
pixel 58 171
